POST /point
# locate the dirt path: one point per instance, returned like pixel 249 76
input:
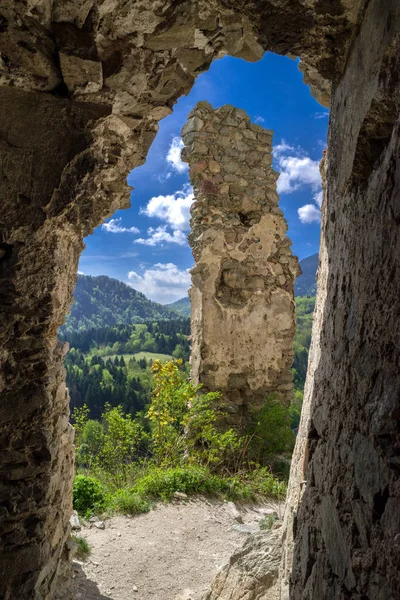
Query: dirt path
pixel 171 553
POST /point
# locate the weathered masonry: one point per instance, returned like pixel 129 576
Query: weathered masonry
pixel 243 319
pixel 82 87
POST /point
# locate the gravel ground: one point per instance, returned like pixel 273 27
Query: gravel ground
pixel 170 553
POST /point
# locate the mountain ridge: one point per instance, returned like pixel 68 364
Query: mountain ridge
pixel 306 283
pixel 101 301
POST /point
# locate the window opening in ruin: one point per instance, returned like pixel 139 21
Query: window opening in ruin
pixel 116 334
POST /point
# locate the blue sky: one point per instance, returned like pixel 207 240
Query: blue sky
pixel 146 246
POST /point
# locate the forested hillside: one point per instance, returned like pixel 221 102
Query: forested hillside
pixel 111 364
pixel 181 306
pixel 101 301
pixel 306 283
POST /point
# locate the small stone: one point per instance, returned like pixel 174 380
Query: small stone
pixel 100 524
pixel 198 167
pixel 74 522
pixel 214 166
pixel 234 512
pixel 81 75
pixel 246 529
pixel 94 519
pixel 193 124
pixel 180 496
pixel 135 588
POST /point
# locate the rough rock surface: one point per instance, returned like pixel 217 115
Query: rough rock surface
pixel 343 507
pixel 83 84
pixel 242 297
pixel 252 572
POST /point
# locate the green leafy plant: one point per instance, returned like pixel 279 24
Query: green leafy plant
pixel 269 433
pixel 267 522
pixel 184 421
pixel 122 438
pixel 83 548
pixel 88 494
pixel 128 502
pixel 178 445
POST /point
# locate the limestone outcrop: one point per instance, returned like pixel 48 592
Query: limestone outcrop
pixel 252 572
pixel 83 84
pixel 243 313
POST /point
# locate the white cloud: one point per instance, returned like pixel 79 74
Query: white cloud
pixel 321 115
pixel 160 235
pixel 259 120
pixel 81 273
pixel 318 198
pixel 173 209
pixel 128 255
pixel 114 226
pixel 163 177
pixel 162 282
pixel 281 148
pixel 297 172
pixel 174 155
pixel 309 213
pixel 296 168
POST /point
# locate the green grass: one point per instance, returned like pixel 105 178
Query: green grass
pixel 83 548
pixel 157 484
pixel 153 355
pixel 147 355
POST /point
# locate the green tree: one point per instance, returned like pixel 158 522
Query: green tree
pixel 122 439
pixel 269 433
pixel 184 421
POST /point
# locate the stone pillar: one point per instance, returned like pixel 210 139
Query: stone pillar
pixel 243 313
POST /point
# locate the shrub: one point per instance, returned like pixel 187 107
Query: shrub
pixel 266 484
pixel 267 522
pixel 161 484
pixel 184 422
pixel 83 548
pixel 129 503
pixel 269 432
pixel 88 494
pixel 122 438
pixel 91 442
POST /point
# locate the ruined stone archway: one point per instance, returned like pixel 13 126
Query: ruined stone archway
pixel 83 85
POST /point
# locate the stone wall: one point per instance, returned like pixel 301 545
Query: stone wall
pixel 344 493
pixel 83 84
pixel 243 314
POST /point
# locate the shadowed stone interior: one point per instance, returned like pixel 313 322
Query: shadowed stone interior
pixel 83 84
